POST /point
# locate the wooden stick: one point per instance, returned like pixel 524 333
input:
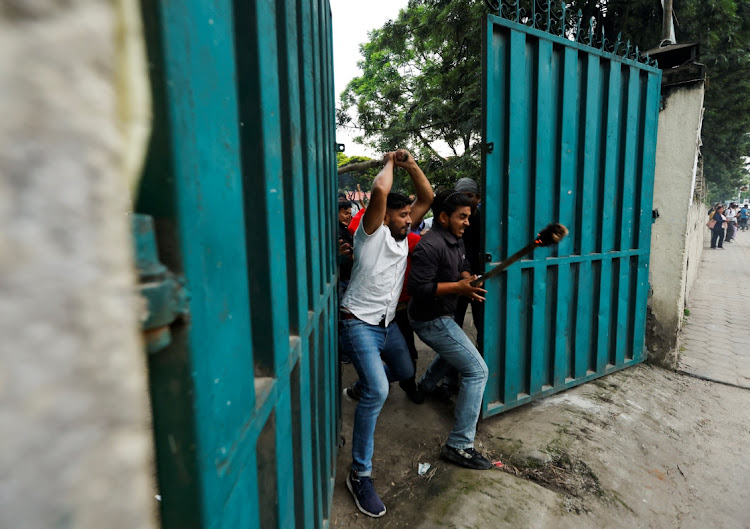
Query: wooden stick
pixel 360 166
pixel 550 235
pixel 369 164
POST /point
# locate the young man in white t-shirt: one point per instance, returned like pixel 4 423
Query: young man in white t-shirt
pixel 376 347
pixel 731 215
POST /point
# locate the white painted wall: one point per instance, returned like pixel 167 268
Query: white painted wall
pixel 675 238
pixel 74 413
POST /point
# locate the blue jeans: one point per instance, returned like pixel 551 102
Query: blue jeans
pixel 455 349
pixel 380 356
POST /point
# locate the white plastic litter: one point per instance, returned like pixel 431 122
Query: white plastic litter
pixel 423 468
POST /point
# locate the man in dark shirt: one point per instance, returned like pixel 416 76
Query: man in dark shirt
pixel 440 273
pixel 346 243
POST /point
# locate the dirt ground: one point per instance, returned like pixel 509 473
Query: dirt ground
pixel 643 447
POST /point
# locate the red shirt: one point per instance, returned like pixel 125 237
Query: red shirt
pixel 412 238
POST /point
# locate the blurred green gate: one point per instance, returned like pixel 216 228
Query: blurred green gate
pixel 240 179
pixel 570 129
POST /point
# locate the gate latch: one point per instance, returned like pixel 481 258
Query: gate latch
pixel 489 147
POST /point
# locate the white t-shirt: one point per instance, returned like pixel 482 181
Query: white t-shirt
pixel 730 214
pixel 377 275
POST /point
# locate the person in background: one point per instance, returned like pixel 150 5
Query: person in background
pixel 473 243
pixel 440 274
pixel 731 217
pixel 377 349
pixel 744 213
pixel 346 244
pixel 717 232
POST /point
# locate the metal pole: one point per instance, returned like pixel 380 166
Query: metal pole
pixel 666 24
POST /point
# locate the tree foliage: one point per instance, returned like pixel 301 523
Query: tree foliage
pixel 420 88
pixel 422 75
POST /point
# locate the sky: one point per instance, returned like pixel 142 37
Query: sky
pixel 352 19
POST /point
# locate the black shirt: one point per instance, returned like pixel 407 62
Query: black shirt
pixel 473 242
pixel 439 257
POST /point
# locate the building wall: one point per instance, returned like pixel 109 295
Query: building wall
pixel 676 241
pixel 74 413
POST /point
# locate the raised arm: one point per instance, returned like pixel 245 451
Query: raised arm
pixel 425 194
pixel 381 186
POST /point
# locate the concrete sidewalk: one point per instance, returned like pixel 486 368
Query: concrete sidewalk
pixel 715 340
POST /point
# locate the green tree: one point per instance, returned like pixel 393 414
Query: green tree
pixel 422 74
pixel 722 28
pixel 420 88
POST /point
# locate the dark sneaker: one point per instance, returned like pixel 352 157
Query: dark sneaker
pixel 364 495
pixel 466 457
pixel 352 393
pixel 412 391
pixel 440 393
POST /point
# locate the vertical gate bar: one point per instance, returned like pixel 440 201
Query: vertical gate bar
pixel 632 128
pixel 591 140
pixel 317 175
pixel 650 122
pixel 264 190
pixel 517 184
pixel 494 200
pixel 284 478
pixel 292 139
pixel 318 498
pixel 332 297
pixel 544 188
pixel 607 211
pixel 326 398
pixel 307 88
pixel 327 188
pixel 306 471
pixel 569 119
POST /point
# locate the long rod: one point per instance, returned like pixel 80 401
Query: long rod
pixel 505 264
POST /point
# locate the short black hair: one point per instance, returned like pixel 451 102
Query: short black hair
pixel 344 204
pixel 342 196
pixel 449 201
pixel 397 201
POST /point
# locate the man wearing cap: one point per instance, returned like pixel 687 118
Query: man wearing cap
pixel 473 243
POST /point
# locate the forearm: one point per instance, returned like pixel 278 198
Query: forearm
pixel 446 289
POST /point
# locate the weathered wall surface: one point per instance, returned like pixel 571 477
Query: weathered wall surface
pixel 697 236
pixel 674 234
pixel 76 442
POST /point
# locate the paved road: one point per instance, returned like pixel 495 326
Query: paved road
pixel 715 342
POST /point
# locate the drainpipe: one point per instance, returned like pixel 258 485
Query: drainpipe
pixel 667 24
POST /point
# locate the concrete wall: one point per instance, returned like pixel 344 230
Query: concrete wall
pixel 74 413
pixel 676 239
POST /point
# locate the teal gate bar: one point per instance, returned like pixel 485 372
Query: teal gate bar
pixel 570 129
pixel 240 182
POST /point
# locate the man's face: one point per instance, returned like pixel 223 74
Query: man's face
pixel 345 216
pixel 458 222
pixel 399 222
pixel 474 197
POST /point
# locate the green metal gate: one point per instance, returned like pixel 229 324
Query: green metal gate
pixel 240 180
pixel 570 128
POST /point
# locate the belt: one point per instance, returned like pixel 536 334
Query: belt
pixel 349 316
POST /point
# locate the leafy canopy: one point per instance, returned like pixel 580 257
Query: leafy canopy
pixel 421 81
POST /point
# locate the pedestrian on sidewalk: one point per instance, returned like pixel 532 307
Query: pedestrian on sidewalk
pixel 731 216
pixel 440 274
pixel 377 349
pixel 717 232
pixel 744 213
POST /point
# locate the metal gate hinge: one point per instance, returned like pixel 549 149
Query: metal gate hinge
pixel 340 147
pixel 489 147
pixel 165 295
